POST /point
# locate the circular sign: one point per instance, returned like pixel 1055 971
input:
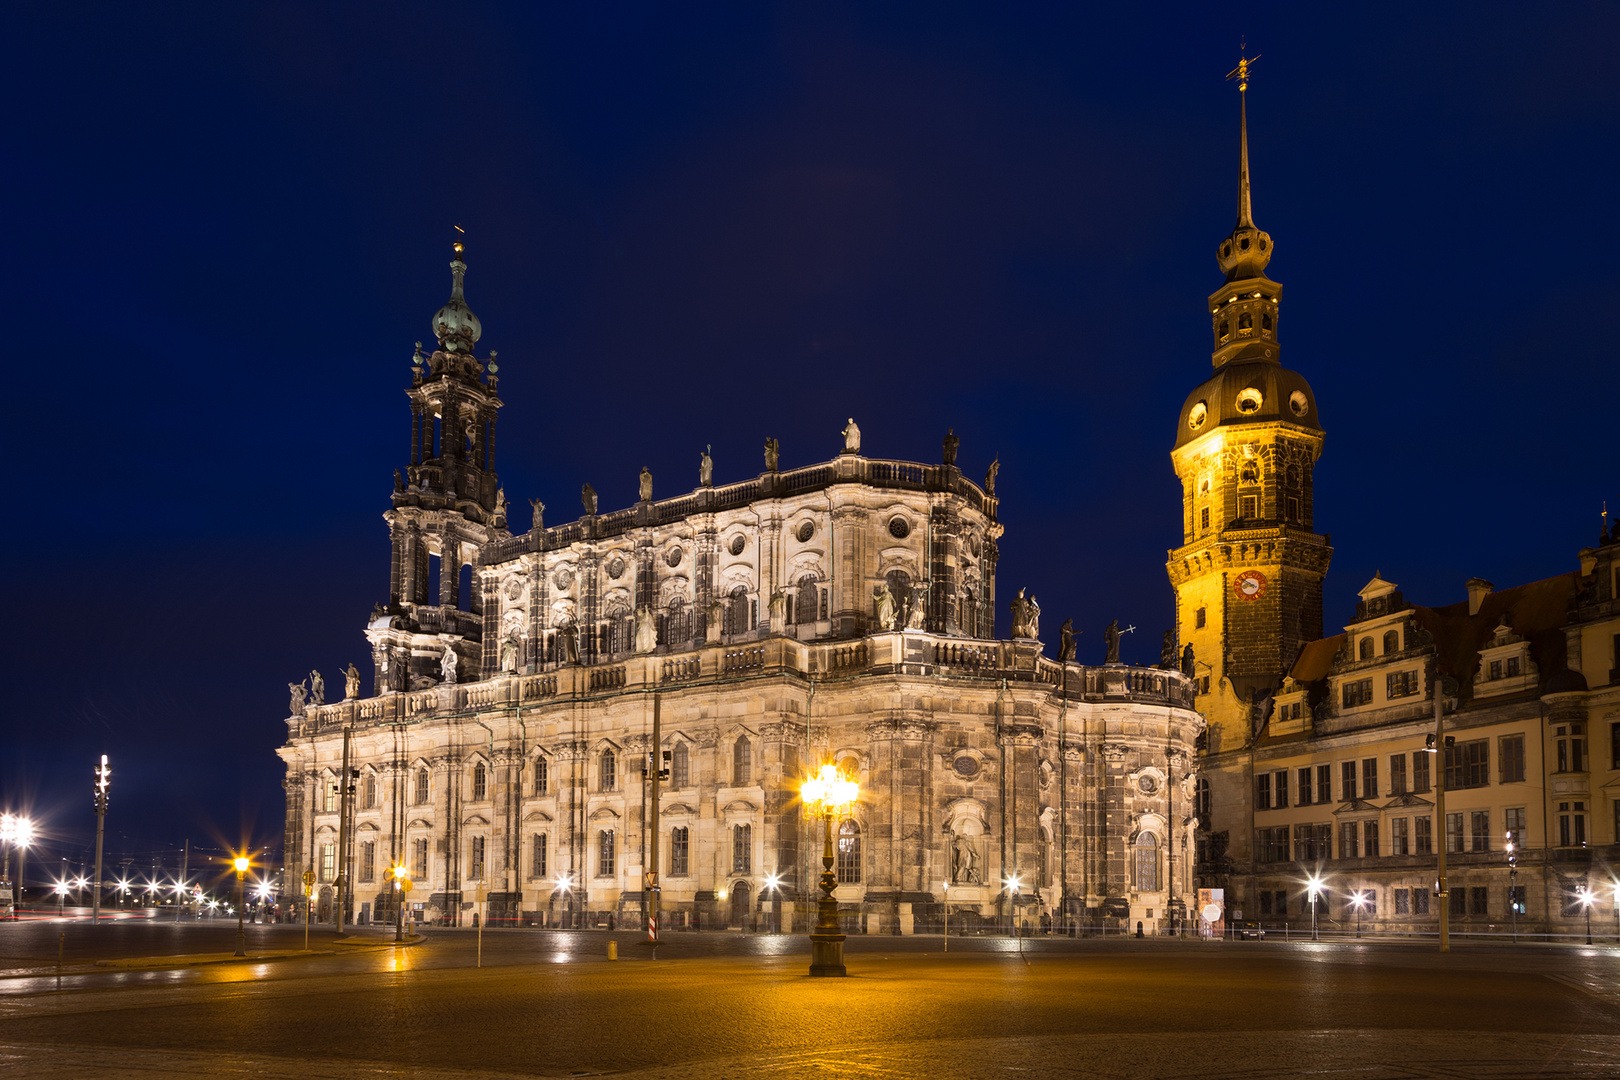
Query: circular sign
pixel 309 877
pixel 1211 913
pixel 404 884
pixel 1250 585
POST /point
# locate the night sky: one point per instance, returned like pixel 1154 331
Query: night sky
pixel 705 224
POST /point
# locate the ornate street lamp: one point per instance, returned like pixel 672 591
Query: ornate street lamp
pixel 1314 887
pixel 400 884
pixel 241 864
pixel 829 795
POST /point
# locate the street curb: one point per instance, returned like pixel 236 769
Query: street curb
pixel 201 959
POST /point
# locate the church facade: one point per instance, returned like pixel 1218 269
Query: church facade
pixel 838 612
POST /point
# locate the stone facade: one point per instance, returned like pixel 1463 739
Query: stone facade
pixel 838 612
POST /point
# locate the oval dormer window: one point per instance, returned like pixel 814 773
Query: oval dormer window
pixel 1299 403
pixel 1249 399
pixel 1197 415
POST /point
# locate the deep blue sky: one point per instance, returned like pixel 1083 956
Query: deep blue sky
pixel 692 225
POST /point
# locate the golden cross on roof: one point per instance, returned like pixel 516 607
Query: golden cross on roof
pixel 1241 72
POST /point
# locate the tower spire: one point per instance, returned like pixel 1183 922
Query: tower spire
pixel 1245 215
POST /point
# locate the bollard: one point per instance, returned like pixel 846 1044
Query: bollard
pixel 613 949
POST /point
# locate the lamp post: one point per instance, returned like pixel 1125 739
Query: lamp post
pixel 1513 888
pixel 1586 897
pixel 1360 900
pixel 945 891
pixel 1617 911
pixel 1014 886
pixel 1314 887
pixel 241 864
pixel 828 794
pixel 398 874
pixel 773 922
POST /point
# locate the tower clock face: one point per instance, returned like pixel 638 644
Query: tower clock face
pixel 1250 585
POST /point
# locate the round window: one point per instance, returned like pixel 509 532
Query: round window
pixel 1298 402
pixel 674 556
pixel 1147 783
pixel 615 568
pixel 1197 415
pixel 807 529
pixel 1249 399
pixel 737 544
pixel 899 527
pixel 966 767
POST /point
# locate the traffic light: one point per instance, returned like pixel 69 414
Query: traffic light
pixel 103 784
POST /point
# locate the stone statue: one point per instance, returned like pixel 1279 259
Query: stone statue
pixel 773 454
pixel 714 620
pixel 587 496
pixel 915 606
pixel 852 437
pixel 500 502
pixel 509 654
pixel 1026 616
pixel 1167 651
pixel 1066 649
pixel 537 515
pixel 569 636
pixel 885 606
pixel 399 481
pixel 351 683
pixel 1111 639
pixel 990 477
pixel 399 664
pixel 646 484
pixel 706 468
pixel 646 630
pixel 447 664
pixel 1188 663
pixel 964 862
pixel 951 443
pixel 777 611
pixel 296 706
pixel 317 689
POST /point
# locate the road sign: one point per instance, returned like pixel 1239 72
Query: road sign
pixel 309 878
pixel 404 885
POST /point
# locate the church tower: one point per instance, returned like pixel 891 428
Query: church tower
pixel 1248 574
pixel 446 506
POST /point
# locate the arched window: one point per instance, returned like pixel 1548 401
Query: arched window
pixel 421 787
pixel 809 605
pixel 480 782
pixel 899 583
pixel 849 853
pixel 1147 863
pixel 742 762
pixel 970 614
pixel 1245 322
pixel 1366 648
pixel 1226 329
pixel 369 796
pixel 1392 641
pixel 609 771
pixel 680 767
pixel 742 849
pixel 679 852
pixel 542 778
pixel 737 621
pixel 605 865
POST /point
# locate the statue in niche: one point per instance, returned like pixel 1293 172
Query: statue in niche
pixel 1026 616
pixel 778 610
pixel 1066 648
pixel 951 443
pixel 1111 639
pixel 447 665
pixel 537 515
pixel 398 669
pixel 587 497
pixel 915 608
pixel 351 683
pixel 990 477
pixel 852 437
pixel 317 689
pixel 885 606
pixel 964 862
pixel 1167 651
pixel 569 637
pixel 1188 661
pixel 646 484
pixel 773 454
pixel 706 468
pixel 296 706
pixel 509 653
pixel 646 630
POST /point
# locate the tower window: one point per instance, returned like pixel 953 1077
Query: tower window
pixel 1203 518
pixel 1226 329
pixel 1366 648
pixel 1293 509
pixel 1200 618
pixel 1246 507
pixel 1265 324
pixel 1245 324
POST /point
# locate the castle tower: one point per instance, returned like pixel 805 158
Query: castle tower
pixel 1248 574
pixel 446 506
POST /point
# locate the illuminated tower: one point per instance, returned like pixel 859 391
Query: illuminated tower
pixel 1248 574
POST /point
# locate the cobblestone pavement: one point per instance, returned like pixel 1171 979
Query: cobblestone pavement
pixel 719 1006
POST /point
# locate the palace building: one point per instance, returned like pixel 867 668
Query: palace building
pixel 1318 763
pixel 839 612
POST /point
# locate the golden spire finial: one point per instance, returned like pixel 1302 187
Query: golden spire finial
pixel 1241 72
pixel 1245 217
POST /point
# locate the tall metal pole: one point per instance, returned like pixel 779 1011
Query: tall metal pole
pixel 103 785
pixel 185 863
pixel 652 891
pixel 240 940
pixel 343 835
pixel 1440 810
pixel 827 942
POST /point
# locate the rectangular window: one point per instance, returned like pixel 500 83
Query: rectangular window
pixel 742 849
pixel 1347 781
pixel 421 867
pixel 1468 764
pixel 1349 842
pixel 606 854
pixel 1262 792
pixel 1369 778
pixel 1510 758
pixel 1513 824
pixel 475 861
pixel 1265 902
pixel 1403 903
pixel 1293 508
pixel 1397 774
pixel 1479 900
pixel 329 797
pixel 1512 667
pixel 1516 899
pixel 1271 845
pixel 1369 839
pixel 542 776
pixel 1311 842
pixel 1398 839
pixel 1246 508
pixel 1203 523
pixel 537 864
pixel 1324 783
pixel 679 768
pixel 1280 788
pixel 1423 836
pixel 1357 692
pixel 368 861
pixel 1305 786
pixel 421 787
pixel 1495 671
pixel 1200 617
pixel 328 862
pixel 1420 901
pixel 678 852
pixel 1479 825
pixel 1459 900
pixel 1454 833
pixel 1279 901
pixel 1420 772
pixel 1614 747
pixel 1400 684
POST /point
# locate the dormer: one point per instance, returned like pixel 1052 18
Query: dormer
pixel 1505 666
pixel 1293 711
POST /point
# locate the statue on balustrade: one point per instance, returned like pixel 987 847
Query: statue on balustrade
pixel 447 665
pixel 884 600
pixel 951 443
pixel 569 637
pixel 646 484
pixel 1066 649
pixel 351 683
pixel 990 477
pixel 1188 662
pixel 916 606
pixel 1111 639
pixel 587 498
pixel 852 437
pixel 537 515
pixel 1167 651
pixel 1026 616
pixel 296 706
pixel 317 689
pixel 706 468
pixel 773 454
pixel 509 653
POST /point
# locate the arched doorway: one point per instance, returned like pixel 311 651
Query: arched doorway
pixel 739 904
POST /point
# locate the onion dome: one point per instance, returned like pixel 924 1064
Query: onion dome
pixel 456 327
pixel 1248 392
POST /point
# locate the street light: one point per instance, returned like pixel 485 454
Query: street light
pixel 241 864
pixel 16 832
pixel 945 888
pixel 398 874
pixel 1617 911
pixel 828 794
pixel 1314 887
pixel 773 924
pixel 1586 897
pixel 1513 888
pixel 1360 900
pixel 1013 887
